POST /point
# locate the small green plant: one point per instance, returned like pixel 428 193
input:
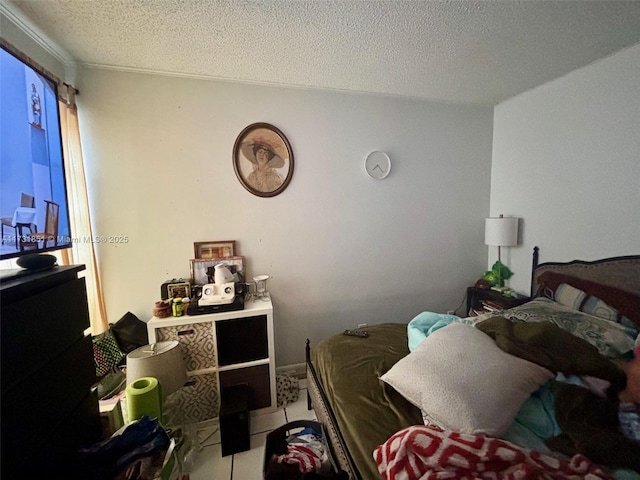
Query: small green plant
pixel 497 275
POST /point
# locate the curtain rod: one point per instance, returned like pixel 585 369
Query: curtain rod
pixel 70 89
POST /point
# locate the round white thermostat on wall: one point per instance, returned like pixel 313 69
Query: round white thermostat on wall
pixel 377 165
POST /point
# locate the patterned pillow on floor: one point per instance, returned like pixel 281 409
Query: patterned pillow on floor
pixel 287 388
pixel 106 352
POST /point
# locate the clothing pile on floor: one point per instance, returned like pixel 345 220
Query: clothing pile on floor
pixel 301 456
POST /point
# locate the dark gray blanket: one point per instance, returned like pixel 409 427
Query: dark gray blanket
pixel 589 423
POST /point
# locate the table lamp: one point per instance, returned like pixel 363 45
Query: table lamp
pixel 147 366
pixel 500 232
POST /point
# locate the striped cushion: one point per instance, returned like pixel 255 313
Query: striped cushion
pixel 569 296
pixel 624 302
pixel 575 298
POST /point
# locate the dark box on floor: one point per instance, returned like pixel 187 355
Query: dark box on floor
pixel 234 419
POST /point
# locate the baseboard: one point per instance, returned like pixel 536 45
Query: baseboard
pixel 297 370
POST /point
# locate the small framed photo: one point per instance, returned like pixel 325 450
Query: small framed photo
pixel 179 290
pixel 263 160
pixel 213 250
pixel 202 269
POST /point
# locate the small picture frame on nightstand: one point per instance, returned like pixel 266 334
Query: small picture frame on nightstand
pixel 179 290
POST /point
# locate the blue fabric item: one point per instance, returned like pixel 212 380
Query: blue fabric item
pixel 306 431
pixel 425 324
pixel 104 460
pixel 625 474
pixel 535 421
pixel 629 417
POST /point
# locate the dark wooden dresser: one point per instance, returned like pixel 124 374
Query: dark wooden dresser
pixel 47 404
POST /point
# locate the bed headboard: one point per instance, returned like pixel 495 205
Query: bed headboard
pixel 619 272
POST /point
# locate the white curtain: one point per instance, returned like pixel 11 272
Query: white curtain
pixel 82 252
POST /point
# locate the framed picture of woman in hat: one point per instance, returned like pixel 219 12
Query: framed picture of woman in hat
pixel 263 160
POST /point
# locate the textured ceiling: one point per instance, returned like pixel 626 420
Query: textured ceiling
pixel 459 51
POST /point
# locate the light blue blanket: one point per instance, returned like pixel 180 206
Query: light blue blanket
pixel 425 323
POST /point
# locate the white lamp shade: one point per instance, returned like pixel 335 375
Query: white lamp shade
pixel 162 360
pixel 501 231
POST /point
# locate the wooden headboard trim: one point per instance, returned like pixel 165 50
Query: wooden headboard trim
pixel 620 272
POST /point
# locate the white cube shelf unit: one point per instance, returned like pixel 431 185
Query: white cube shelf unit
pixel 223 349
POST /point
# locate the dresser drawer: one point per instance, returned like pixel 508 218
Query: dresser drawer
pixel 198 345
pixel 250 333
pixel 36 329
pixel 42 402
pixel 257 378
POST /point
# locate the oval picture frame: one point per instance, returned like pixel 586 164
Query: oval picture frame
pixel 263 160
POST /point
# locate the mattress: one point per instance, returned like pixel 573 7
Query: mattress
pixel 356 392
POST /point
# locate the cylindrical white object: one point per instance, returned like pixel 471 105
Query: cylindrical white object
pixel 222 274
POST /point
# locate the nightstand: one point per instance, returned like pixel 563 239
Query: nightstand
pixel 476 296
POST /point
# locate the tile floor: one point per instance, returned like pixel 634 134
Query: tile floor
pixel 209 463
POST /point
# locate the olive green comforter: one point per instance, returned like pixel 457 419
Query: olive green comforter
pixel 367 410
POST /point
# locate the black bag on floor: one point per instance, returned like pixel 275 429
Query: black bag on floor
pixel 130 333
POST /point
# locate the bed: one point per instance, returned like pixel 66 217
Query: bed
pixel 367 419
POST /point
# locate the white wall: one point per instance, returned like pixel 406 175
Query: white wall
pixel 342 248
pixel 566 158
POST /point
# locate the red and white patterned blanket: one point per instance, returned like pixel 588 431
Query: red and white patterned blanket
pixel 424 452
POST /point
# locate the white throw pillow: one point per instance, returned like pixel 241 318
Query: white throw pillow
pixel 464 382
